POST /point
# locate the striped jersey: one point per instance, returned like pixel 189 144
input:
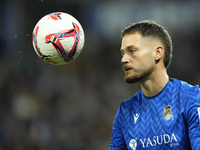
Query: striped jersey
pixel 167 120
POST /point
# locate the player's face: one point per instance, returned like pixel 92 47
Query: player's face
pixel 137 57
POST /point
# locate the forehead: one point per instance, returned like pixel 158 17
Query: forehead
pixel 137 41
pixel 131 40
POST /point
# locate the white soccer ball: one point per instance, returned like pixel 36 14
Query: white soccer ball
pixel 58 38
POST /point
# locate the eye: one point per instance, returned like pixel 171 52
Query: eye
pixel 132 50
pixel 122 52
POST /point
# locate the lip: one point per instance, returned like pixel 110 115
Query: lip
pixel 127 71
pixel 126 68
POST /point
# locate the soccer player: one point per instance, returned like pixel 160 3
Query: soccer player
pixel 165 113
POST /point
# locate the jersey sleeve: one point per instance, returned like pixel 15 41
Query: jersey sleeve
pixel 193 117
pixel 117 141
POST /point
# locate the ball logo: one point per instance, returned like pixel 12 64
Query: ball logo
pixel 55 39
pixel 133 144
pixel 167 113
pixel 55 16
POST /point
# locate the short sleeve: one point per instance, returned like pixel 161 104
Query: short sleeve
pixel 117 141
pixel 193 117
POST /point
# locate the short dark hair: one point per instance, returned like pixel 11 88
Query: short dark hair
pixel 150 28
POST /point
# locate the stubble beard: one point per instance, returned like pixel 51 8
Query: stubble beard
pixel 138 76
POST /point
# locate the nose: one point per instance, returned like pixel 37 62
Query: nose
pixel 125 58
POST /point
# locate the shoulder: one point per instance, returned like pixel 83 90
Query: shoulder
pixel 189 95
pixel 193 96
pixel 129 102
pixel 186 92
pixel 186 87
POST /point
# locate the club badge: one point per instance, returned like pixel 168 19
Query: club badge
pixel 167 113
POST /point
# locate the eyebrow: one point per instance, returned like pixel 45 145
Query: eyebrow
pixel 129 48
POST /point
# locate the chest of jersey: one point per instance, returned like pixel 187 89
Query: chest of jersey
pixel 156 123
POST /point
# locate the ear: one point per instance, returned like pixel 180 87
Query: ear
pixel 159 53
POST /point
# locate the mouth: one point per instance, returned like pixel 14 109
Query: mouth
pixel 126 68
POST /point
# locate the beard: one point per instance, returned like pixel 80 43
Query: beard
pixel 139 75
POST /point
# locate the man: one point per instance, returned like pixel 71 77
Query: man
pixel 165 113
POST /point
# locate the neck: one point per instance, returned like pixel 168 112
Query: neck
pixel 154 83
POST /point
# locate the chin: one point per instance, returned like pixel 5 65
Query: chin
pixel 131 80
pixel 136 77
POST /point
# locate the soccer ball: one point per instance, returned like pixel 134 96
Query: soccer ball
pixel 58 38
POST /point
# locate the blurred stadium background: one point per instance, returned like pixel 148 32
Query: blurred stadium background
pixel 72 107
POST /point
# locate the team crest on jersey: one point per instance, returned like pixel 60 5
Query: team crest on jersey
pixel 167 113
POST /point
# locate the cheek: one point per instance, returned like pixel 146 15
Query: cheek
pixel 147 62
pixel 150 57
